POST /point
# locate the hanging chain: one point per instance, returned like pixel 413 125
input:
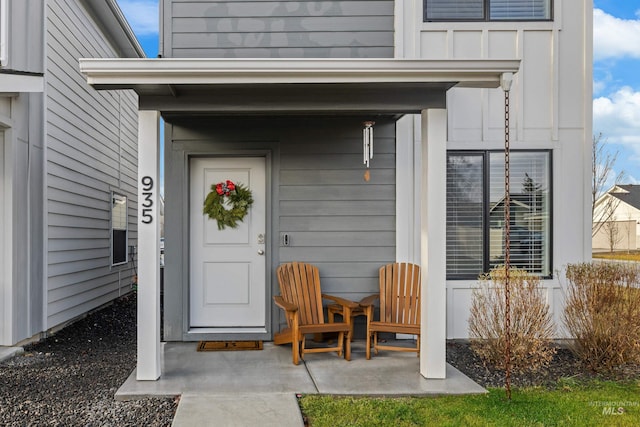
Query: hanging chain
pixel 507 250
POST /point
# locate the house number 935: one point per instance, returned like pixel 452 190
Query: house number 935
pixel 147 200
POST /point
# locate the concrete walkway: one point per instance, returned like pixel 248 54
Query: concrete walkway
pixel 243 388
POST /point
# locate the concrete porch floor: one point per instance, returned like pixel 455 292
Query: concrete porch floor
pixel 250 387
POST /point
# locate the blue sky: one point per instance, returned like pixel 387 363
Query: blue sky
pixel 616 72
pixel 616 75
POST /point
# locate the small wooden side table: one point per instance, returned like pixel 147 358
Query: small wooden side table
pixel 333 309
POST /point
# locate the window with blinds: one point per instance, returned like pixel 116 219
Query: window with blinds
pixel 475 212
pixel 465 218
pixel 492 10
pixel 532 10
pixel 118 229
pixel 458 10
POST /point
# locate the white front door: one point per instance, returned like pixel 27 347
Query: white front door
pixel 227 272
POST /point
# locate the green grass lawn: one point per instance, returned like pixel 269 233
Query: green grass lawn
pixel 622 255
pixel 595 403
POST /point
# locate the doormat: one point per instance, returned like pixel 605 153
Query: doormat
pixel 229 345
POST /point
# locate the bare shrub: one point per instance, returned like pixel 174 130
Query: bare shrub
pixel 602 313
pixel 531 324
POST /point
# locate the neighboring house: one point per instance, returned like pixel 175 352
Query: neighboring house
pixel 274 95
pixel 616 219
pixel 68 165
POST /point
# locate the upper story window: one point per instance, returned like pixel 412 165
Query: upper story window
pixel 487 10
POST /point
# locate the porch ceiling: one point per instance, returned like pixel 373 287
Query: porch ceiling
pixel 283 86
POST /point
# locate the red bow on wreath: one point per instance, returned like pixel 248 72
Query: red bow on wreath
pixel 225 188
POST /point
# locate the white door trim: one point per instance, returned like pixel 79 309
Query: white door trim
pixel 226 252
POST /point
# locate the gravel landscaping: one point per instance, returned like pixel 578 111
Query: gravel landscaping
pixel 563 365
pixel 70 378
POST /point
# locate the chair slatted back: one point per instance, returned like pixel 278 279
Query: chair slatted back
pixel 300 285
pixel 400 293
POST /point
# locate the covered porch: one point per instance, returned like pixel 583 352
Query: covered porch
pixel 308 87
pixel 261 387
pixel 187 371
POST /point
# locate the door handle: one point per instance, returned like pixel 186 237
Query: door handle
pixel 260 252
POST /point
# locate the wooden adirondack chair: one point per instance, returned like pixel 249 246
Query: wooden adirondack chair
pixel 301 300
pixel 399 306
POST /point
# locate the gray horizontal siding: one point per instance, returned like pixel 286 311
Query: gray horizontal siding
pixel 270 8
pixel 79 288
pixel 331 192
pixel 337 207
pixel 71 279
pixel 314 25
pixel 314 254
pixel 361 237
pixel 335 219
pixel 60 245
pixel 355 28
pixel 285 40
pixel 91 151
pixel 62 208
pixel 379 223
pixel 344 52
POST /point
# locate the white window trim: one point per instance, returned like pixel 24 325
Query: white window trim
pixel 111 248
pixel 546 250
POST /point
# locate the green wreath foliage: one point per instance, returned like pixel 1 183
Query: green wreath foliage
pixel 240 199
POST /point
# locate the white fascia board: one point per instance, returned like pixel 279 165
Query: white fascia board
pixel 131 72
pixel 109 15
pixel 16 83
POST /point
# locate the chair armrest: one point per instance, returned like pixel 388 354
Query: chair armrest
pixel 285 305
pixel 368 301
pixel 343 302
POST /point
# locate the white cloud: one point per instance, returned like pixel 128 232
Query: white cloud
pixel 142 15
pixel 617 117
pixel 614 37
pixel 599 86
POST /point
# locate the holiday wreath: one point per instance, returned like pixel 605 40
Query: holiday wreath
pixel 238 199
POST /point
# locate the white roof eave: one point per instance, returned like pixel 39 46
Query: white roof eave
pixel 123 73
pixel 11 84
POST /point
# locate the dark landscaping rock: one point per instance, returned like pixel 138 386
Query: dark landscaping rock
pixel 563 365
pixel 70 378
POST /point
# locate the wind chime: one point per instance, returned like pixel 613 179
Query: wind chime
pixel 367 146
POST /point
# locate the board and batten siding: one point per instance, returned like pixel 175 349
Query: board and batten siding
pixel 278 29
pixel 91 151
pixel 550 109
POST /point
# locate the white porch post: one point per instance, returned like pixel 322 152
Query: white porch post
pixel 148 367
pixel 433 243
